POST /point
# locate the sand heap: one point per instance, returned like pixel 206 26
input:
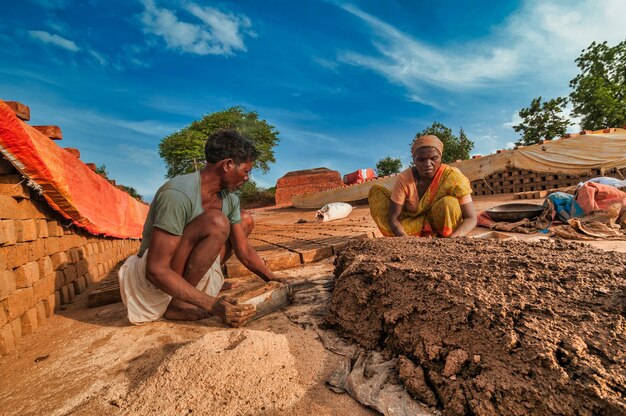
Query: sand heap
pixel 238 372
pixel 487 327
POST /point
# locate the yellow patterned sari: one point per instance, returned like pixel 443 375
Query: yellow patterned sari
pixel 438 210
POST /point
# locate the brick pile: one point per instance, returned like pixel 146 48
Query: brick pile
pixel 518 180
pixel 45 262
pixel 304 182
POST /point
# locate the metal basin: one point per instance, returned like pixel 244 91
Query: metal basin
pixel 514 212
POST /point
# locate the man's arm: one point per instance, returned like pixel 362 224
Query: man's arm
pixel 469 220
pixel 159 272
pixel 395 210
pixel 248 256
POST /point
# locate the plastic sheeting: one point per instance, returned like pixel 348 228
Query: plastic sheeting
pixel 68 185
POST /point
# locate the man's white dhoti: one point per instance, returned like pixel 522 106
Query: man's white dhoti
pixel 144 301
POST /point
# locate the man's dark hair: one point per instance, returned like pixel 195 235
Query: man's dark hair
pixel 229 143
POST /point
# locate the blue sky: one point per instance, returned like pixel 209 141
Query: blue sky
pixel 345 83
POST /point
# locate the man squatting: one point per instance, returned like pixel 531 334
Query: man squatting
pixel 193 226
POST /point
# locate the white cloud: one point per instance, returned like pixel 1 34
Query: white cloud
pixel 215 33
pixel 515 120
pixel 538 43
pixel 53 39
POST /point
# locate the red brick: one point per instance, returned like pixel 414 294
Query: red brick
pixel 14 186
pixel 50 303
pixel 7 340
pixel 91 166
pixel 42 228
pixel 79 285
pixel 17 254
pixel 59 279
pixel 65 295
pixel 18 209
pixel 8 236
pixel 41 313
pixel 53 132
pixel 19 302
pixel 82 267
pixel 72 292
pixel 21 111
pixel 26 275
pixel 70 273
pixel 44 287
pixel 29 321
pixel 26 230
pixel 7 283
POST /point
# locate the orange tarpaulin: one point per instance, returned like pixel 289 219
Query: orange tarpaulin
pixel 68 185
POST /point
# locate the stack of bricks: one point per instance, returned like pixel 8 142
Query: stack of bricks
pixel 44 262
pixel 517 180
pixel 305 182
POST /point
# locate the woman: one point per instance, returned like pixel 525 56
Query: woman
pixel 428 199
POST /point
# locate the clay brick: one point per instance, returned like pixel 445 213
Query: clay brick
pixel 26 230
pixel 91 166
pixel 21 111
pixel 53 132
pixel 45 266
pixel 3 316
pixel 73 151
pixel 18 209
pixel 17 255
pixel 54 229
pixel 41 313
pixel 79 285
pixel 59 260
pixel 16 325
pixel 19 302
pixel 29 321
pixel 71 292
pixel 50 304
pixel 36 250
pixel 44 287
pixel 82 267
pixel 42 228
pixel 70 273
pixel 7 340
pixel 7 283
pixel 65 295
pixel 26 274
pixel 14 186
pixel 51 245
pixel 8 236
pixel 6 167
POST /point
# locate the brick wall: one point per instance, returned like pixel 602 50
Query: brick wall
pixel 517 180
pixel 44 261
pixel 304 182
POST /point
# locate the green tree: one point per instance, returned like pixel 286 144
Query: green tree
pixel 542 121
pixel 183 151
pixel 132 192
pixel 599 91
pixel 102 170
pixel 388 166
pixel 453 147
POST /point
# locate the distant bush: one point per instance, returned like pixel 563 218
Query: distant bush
pixel 253 196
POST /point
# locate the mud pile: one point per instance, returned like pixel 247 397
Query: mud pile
pixel 488 327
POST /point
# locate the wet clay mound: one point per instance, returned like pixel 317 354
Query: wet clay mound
pixel 238 372
pixel 488 327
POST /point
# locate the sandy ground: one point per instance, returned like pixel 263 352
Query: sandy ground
pixel 91 361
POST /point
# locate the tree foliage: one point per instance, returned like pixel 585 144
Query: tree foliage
pixel 254 196
pixel 132 192
pixel 183 151
pixel 599 91
pixel 542 121
pixel 454 147
pixel 388 166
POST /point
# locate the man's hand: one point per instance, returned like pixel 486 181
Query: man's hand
pixel 279 280
pixel 231 312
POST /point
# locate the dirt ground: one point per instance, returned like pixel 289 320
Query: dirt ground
pixel 487 327
pixel 91 361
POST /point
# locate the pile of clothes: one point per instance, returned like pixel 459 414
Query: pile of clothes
pixel 596 210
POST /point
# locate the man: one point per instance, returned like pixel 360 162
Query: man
pixel 194 221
